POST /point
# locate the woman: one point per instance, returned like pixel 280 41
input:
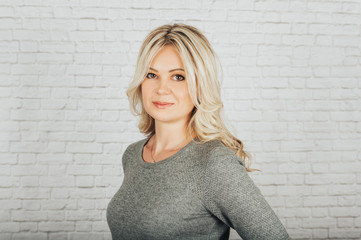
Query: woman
pixel 188 178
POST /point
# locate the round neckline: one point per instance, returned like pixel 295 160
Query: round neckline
pixel 148 164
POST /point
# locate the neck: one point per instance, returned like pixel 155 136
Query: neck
pixel 170 137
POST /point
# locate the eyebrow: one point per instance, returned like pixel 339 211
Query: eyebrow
pixel 169 70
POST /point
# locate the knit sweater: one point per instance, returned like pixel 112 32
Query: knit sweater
pixel 197 193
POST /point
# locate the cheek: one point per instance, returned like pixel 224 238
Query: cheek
pixel 145 89
pixel 186 98
pixel 144 94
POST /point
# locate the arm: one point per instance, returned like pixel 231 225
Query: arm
pixel 231 195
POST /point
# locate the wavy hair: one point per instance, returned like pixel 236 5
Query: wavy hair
pixel 200 63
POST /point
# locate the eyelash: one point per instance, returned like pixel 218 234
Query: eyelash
pixel 174 75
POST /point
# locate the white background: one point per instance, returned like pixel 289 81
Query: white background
pixel 291 91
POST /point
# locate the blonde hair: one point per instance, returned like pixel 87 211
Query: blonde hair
pixel 200 63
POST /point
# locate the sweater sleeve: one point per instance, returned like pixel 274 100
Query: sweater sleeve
pixel 231 195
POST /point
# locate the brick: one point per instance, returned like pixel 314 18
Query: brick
pixel 294 168
pixel 344 178
pixel 28 226
pixel 347 201
pixel 6 11
pixel 319 190
pixel 29 170
pixel 352 144
pixel 84 215
pixel 111 170
pixel 83 115
pixel 351 167
pixel 358 222
pixel 324 156
pixel 293 190
pixel 109 181
pixel 85 236
pixel 343 190
pixel 56 226
pixel 31 193
pixel 9 181
pixel 319 179
pixel 57 235
pixel 29 236
pixel 56 215
pixel 21 34
pixel 82 226
pixel 320 168
pixel 9 227
pixel 276 201
pixel 28 115
pixel 84 170
pixel 296 179
pixel 84 181
pixel 320 223
pixel 87 203
pixel 33 92
pixel 54 181
pixel 345 212
pixel 300 233
pixel 345 233
pixel 319 233
pixel 268 6
pixel 319 201
pixel 102 226
pixel 301 145
pixel 344 71
pixel 31 205
pixel 344 94
pixel 346 40
pixel 88 193
pixel 29 216
pixel 320 212
pixel 5 216
pixel 86 35
pixel 293 223
pixel 346 222
pixel 271 179
pixel 84 147
pixel 295 72
pixel 55 204
pixel 10 204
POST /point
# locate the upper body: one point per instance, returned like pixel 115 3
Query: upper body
pixel 197 193
pixel 174 188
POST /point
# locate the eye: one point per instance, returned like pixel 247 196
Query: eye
pixel 151 75
pixel 179 77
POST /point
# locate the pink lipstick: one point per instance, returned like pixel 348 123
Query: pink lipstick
pixel 162 105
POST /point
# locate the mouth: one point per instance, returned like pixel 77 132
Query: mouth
pixel 162 105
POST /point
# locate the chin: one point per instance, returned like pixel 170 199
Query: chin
pixel 162 117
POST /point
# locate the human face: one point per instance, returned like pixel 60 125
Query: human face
pixel 164 90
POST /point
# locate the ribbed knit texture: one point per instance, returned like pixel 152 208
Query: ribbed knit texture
pixel 197 193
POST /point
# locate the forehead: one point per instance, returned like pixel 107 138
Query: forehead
pixel 167 58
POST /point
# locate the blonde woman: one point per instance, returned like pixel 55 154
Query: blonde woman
pixel 188 178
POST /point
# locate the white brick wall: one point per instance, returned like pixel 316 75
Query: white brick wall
pixel 291 90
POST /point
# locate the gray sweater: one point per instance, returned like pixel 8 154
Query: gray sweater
pixel 197 193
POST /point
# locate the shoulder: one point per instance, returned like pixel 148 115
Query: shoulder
pixel 218 155
pixel 135 147
pixel 224 170
pixel 132 151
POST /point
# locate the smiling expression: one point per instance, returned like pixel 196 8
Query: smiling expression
pixel 165 93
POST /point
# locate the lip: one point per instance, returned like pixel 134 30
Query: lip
pixel 162 105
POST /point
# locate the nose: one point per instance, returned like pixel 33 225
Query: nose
pixel 163 87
